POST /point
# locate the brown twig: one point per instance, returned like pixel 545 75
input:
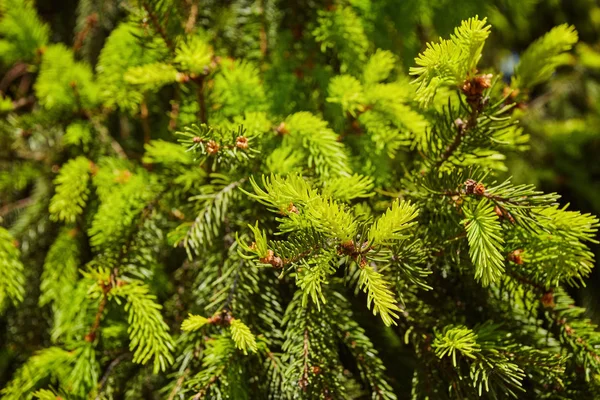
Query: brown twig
pixel 144 121
pixel 263 31
pixel 191 22
pixel 7 209
pixel 303 382
pixel 108 371
pixel 17 70
pixel 106 287
pixel 178 384
pixel 90 22
pixel 159 28
pixel 201 100
pixel 23 102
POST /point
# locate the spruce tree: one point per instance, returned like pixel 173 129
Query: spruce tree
pixel 252 200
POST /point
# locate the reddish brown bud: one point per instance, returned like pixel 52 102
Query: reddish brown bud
pixel 197 139
pixel 569 330
pixel 281 129
pixel 470 186
pixel 277 262
pixel 548 300
pixel 476 85
pixel 316 369
pixel 241 142
pixel 498 211
pixel 515 256
pixel 181 77
pixel 479 189
pixel 212 147
pixel 270 258
pixel 292 208
pixel 303 383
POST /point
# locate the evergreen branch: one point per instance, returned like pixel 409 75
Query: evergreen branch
pixel 325 153
pixel 194 322
pixel 113 364
pixel 358 343
pixel 543 56
pixel 575 332
pixel 148 332
pixel 71 190
pixel 483 234
pixel 208 222
pixel 456 339
pixel 12 284
pixel 60 268
pixel 17 205
pixel 52 361
pixel 378 293
pixel 389 226
pixel 158 28
pixel 312 275
pixel 242 336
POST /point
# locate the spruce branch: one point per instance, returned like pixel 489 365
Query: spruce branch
pixel 485 242
pixel 379 294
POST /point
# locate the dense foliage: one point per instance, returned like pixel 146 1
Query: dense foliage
pixel 262 199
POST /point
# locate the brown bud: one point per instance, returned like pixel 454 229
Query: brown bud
pixel 281 129
pixel 475 86
pixel 515 256
pixel 498 212
pixel 93 168
pixel 292 208
pixel 181 77
pixel 348 246
pixel 569 330
pixel 197 139
pixel 241 142
pixel 227 318
pixel 484 81
pixel 268 258
pixel 90 337
pixel 470 186
pixel 212 147
pixel 548 300
pixel 277 262
pixel 479 189
pixel 303 383
pixel 316 369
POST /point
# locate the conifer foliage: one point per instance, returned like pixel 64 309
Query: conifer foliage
pixel 225 205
